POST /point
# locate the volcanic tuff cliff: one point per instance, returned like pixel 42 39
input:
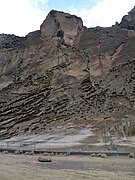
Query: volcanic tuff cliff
pixel 68 76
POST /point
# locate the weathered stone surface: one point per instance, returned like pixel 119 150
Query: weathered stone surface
pixel 128 21
pixel 69 76
pixel 63 26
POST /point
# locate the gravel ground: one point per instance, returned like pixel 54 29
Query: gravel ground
pixel 23 167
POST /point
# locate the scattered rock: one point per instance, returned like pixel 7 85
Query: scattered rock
pixel 21 151
pixel 99 155
pixel 68 153
pixel 26 153
pixel 93 155
pixel 131 155
pixel 17 152
pixel 51 154
pixel 103 156
pixel 29 153
pixel 45 154
pixel 5 152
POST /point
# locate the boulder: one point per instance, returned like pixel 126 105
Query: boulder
pixel 131 155
pixel 103 156
pixel 43 159
pixel 93 155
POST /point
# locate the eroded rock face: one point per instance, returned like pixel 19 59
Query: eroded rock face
pixel 63 26
pixel 128 21
pixel 67 76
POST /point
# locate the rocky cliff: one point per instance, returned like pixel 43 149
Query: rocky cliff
pixel 67 76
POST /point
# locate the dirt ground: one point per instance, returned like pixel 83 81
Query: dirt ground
pixel 24 167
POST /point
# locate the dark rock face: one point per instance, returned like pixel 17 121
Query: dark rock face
pixel 65 76
pixel 128 21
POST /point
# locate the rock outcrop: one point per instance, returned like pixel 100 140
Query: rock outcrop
pixel 128 21
pixel 62 27
pixel 68 76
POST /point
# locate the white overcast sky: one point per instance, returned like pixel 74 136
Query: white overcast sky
pixel 20 17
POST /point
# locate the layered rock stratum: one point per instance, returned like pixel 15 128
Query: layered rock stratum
pixel 66 76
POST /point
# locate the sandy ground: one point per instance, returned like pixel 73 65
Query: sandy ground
pixel 24 167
